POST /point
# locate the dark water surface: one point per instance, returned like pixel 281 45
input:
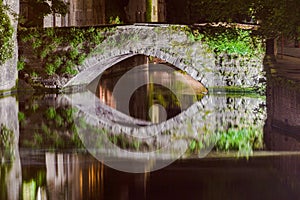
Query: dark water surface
pixel 44 156
pixel 80 176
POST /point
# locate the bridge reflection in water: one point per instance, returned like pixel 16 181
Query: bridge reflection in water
pixel 143 102
pixel 61 168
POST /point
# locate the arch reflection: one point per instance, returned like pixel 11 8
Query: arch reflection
pixel 150 94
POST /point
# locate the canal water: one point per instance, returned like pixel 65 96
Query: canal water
pixel 169 138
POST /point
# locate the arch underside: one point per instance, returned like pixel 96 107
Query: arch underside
pixel 94 67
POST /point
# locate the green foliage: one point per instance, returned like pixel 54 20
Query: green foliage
pixel 115 20
pixel 195 145
pixel 5 135
pixel 115 8
pixel 59 120
pixel 226 40
pixel 37 42
pixel 233 41
pixel 6 32
pixel 244 140
pixel 195 35
pixel 277 17
pixel 81 58
pixel 177 28
pixel 34 107
pixel 21 117
pixel 50 69
pixel 34 74
pixel 57 62
pixel 77 141
pixel 56 129
pixel 38 139
pixel 73 53
pixel 51 113
pixel 20 65
pixel 6 143
pixel 273 16
pixel 148 10
pixel 68 69
pixel 61 50
pixel 230 43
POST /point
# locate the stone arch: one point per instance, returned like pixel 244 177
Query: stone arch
pixel 175 47
pixel 173 44
pixel 96 68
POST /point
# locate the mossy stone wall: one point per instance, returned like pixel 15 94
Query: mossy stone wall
pixel 8 70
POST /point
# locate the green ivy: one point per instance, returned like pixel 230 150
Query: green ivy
pixel 115 20
pixel 61 50
pixel 229 40
pixel 243 140
pixel 20 65
pixel 235 41
pixel 6 32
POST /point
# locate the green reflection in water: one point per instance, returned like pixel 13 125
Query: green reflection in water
pixel 240 125
pixel 48 126
pixel 6 144
pixel 240 128
pixel 29 190
pixel 6 155
pixel 33 179
pixel 243 140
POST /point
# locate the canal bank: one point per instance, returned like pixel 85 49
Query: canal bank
pixel 287 64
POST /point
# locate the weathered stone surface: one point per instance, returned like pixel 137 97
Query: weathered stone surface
pixel 93 68
pixel 9 118
pixel 167 42
pixel 207 117
pixel 9 114
pixel 8 71
pixel 175 47
pixel 155 144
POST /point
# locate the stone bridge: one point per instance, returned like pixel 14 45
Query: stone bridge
pixel 174 44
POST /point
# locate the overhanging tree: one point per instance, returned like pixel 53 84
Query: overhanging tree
pixel 274 17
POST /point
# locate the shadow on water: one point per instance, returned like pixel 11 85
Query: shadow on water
pixel 42 156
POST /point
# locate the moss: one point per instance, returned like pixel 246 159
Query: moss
pixel 232 89
pixel 6 32
pixel 61 50
pixel 8 92
pixel 148 10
